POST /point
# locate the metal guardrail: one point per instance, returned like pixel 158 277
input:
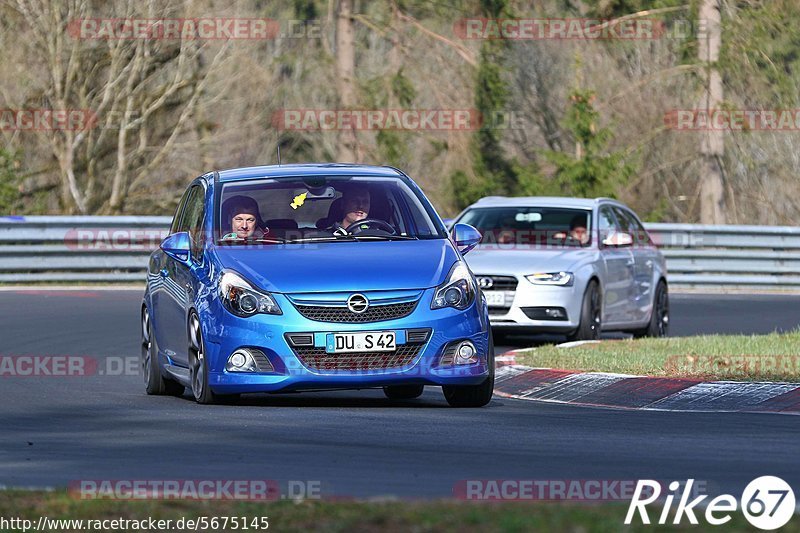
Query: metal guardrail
pixel 78 249
pixel 115 249
pixel 739 257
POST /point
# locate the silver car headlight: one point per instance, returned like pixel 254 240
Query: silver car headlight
pixel 241 299
pixel 562 279
pixel 458 291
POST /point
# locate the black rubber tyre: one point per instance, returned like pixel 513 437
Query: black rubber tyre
pixel 198 364
pixel 403 392
pixel 659 318
pixel 502 337
pixel 473 395
pixel 591 315
pixel 154 382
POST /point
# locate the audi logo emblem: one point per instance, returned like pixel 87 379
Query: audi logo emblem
pixel 357 303
pixel 485 283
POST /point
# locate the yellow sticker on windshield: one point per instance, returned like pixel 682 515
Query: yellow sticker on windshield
pixel 298 200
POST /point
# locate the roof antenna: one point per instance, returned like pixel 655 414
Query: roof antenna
pixel 279 154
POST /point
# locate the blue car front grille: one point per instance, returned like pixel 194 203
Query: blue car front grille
pixel 342 315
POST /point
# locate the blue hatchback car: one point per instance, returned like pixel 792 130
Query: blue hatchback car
pixel 314 277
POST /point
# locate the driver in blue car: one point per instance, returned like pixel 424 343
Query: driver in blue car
pixel 355 207
pixel 244 218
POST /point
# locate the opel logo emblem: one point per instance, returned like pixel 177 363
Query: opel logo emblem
pixel 485 282
pixel 357 303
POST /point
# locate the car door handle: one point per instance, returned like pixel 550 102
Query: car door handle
pixel 164 273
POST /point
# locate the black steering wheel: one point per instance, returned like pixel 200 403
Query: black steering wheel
pixel 371 223
pixel 562 239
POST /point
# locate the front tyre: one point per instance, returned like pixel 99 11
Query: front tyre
pixel 154 382
pixel 473 395
pixel 591 315
pixel 198 363
pixel 403 392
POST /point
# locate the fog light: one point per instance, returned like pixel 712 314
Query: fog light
pixel 555 313
pixel 241 361
pixel 466 353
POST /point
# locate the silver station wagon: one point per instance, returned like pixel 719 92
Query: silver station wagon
pixel 567 265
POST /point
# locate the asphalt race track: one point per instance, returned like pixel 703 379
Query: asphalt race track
pixel 356 443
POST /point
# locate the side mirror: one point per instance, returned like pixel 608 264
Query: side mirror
pixel 618 239
pixel 177 246
pixel 466 237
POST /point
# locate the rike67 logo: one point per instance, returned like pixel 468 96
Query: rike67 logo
pixel 767 503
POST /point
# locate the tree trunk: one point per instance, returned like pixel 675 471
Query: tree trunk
pixel 712 189
pixel 345 77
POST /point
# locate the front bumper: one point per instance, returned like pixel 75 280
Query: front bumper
pixel 526 305
pixel 225 333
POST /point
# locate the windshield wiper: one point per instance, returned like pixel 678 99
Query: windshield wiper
pixel 352 238
pixel 332 238
pixel 265 240
pixel 385 237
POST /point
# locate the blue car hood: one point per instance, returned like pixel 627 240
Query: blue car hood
pixel 342 266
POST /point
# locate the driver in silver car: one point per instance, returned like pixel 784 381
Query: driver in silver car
pixel 577 230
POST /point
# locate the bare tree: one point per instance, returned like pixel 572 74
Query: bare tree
pixel 125 84
pixel 712 189
pixel 345 77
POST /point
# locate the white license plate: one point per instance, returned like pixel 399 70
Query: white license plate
pixel 374 341
pixel 495 298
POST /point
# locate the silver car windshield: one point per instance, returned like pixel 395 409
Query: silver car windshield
pixel 535 226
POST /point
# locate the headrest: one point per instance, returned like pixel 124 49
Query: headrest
pixel 335 214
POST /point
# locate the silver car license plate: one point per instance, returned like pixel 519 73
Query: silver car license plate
pixel 495 298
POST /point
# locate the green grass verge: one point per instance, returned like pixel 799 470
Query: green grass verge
pixel 382 517
pixel 773 357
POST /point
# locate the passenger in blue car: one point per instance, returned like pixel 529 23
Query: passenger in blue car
pixel 243 215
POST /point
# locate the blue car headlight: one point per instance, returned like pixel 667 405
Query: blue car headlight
pixel 562 279
pixel 241 299
pixel 457 291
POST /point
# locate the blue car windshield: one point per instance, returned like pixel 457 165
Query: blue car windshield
pixel 323 208
pixel 534 226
